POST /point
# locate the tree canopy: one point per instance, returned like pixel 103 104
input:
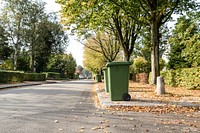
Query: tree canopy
pixel 64 64
pixel 31 36
pixel 124 19
pixel 104 43
pixel 94 16
pixel 93 61
pixel 185 42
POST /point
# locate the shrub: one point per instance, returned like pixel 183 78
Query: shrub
pixel 8 64
pixel 186 77
pixel 11 76
pixel 52 75
pixel 35 77
pixel 140 65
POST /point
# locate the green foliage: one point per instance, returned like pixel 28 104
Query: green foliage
pixel 11 76
pixel 20 76
pixel 140 65
pixel 104 43
pixel 34 77
pixel 162 64
pixel 91 16
pixel 51 39
pixel 185 43
pixel 5 50
pixel 31 33
pixel 52 75
pixel 93 61
pixel 64 64
pixel 23 63
pixel 185 77
pixel 8 64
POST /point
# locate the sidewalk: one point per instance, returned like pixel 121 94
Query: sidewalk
pixel 105 102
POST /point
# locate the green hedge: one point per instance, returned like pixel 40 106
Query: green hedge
pixel 186 77
pixel 11 76
pixel 52 75
pixel 34 77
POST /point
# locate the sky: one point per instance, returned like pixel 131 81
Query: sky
pixel 75 47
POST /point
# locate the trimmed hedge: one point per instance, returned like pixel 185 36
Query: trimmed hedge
pixel 11 76
pixel 19 76
pixel 34 77
pixel 186 77
pixel 52 75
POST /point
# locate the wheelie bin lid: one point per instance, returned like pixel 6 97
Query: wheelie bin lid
pixel 104 68
pixel 115 63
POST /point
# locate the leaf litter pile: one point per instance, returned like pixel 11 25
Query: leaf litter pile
pixel 146 92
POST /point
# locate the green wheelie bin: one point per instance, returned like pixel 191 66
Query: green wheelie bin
pixel 118 78
pixel 105 72
pixel 98 78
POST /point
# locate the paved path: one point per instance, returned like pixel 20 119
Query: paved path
pixel 144 102
pixel 67 107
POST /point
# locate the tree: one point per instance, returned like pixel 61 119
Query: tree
pixel 92 15
pixel 12 17
pixel 64 64
pixel 143 47
pixel 32 33
pixel 34 16
pixel 105 44
pixel 5 50
pixel 185 42
pixel 93 61
pixel 51 40
pixel 23 61
pixel 158 13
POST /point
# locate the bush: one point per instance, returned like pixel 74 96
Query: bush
pixel 140 65
pixel 11 76
pixel 8 64
pixel 34 77
pixel 52 75
pixel 186 77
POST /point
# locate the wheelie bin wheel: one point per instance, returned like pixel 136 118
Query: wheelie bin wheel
pixel 126 97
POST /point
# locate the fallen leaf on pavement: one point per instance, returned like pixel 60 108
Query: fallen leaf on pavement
pixel 82 127
pixel 56 121
pixel 60 129
pixel 95 128
pixel 156 109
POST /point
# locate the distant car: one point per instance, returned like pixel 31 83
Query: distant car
pixel 81 76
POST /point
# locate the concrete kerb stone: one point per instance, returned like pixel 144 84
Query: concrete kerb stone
pixel 105 102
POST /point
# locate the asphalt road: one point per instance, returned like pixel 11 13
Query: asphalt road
pixel 67 107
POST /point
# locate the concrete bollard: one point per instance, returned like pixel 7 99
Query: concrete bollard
pixel 160 89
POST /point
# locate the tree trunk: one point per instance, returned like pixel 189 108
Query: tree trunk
pixel 155 67
pixel 33 59
pixel 15 59
pixel 16 53
pixel 126 55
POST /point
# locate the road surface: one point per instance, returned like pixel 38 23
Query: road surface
pixel 67 107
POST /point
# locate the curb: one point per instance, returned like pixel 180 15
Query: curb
pixel 105 102
pixel 7 86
